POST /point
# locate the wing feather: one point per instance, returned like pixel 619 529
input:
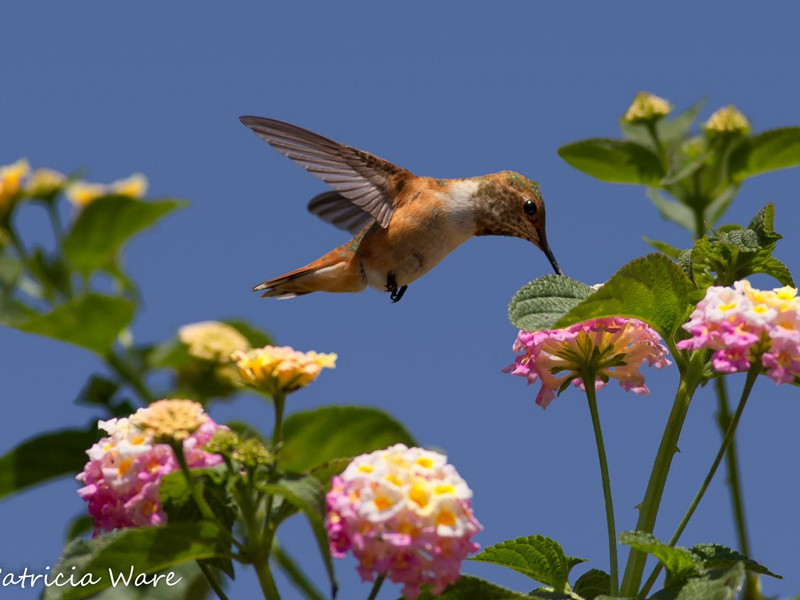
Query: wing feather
pixel 358 178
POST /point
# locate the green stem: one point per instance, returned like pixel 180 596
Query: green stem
pixel 205 509
pixel 212 581
pixel 589 385
pixel 257 551
pixel 376 587
pixel 732 465
pixel 651 128
pixel 648 509
pixel 727 442
pixel 121 368
pixel 277 431
pixel 55 220
pixel 279 401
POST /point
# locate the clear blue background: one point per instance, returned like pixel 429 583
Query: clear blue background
pixel 443 89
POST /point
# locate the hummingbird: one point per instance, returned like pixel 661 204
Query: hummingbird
pixel 403 224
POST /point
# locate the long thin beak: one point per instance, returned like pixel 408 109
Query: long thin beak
pixel 549 254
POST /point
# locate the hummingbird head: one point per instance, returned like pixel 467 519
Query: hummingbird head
pixel 511 204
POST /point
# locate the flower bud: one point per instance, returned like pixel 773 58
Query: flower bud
pixel 727 121
pixel 647 107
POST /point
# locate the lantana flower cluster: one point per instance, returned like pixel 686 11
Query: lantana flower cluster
pixel 125 468
pixel 280 369
pixel 406 514
pixel 613 347
pixel 18 181
pixel 744 325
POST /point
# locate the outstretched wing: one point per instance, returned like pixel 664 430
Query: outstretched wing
pixel 359 177
pixel 337 210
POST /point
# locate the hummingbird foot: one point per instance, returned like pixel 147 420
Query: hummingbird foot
pixel 391 286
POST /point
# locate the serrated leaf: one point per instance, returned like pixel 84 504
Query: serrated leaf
pixel 536 556
pixel 91 321
pixel 763 225
pixel 592 584
pixel 44 457
pixel 106 224
pixel 137 550
pixel 540 303
pixel 767 151
pixel 668 249
pixel 714 556
pixel 672 210
pixel 718 584
pixel 680 563
pixel 305 493
pixel 612 160
pixel 774 268
pixel 472 588
pixel 317 436
pixel 652 289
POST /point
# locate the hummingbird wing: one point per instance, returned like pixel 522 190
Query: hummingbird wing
pixel 357 176
pixel 337 210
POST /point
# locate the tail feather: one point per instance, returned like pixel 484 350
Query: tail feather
pixel 334 272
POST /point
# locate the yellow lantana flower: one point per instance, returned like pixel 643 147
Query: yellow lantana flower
pixel 279 370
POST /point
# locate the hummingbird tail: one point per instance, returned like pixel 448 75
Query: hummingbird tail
pixel 331 273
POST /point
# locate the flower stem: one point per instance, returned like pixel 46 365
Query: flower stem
pixel 376 587
pixel 212 581
pixel 752 586
pixel 589 385
pixel 205 509
pixel 726 443
pixel 279 401
pixel 648 509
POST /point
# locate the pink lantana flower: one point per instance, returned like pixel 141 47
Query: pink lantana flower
pixel 124 472
pixel 614 347
pixel 406 514
pixel 745 326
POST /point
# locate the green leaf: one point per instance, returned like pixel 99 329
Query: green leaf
pixel 471 588
pixel 767 151
pixel 326 471
pixel 254 335
pixel 715 585
pixel 91 321
pixel 192 585
pixel 305 493
pixel 670 210
pixel 680 563
pixel 652 289
pixel 592 584
pixel 106 224
pixel 668 249
pixel 13 312
pixel 317 436
pixel 720 204
pixel 536 556
pixel 540 303
pixel 44 457
pixel 98 391
pixel 763 225
pixel 714 556
pixel 670 130
pixel 614 160
pixel 133 551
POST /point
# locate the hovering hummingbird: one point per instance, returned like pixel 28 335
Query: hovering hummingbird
pixel 403 224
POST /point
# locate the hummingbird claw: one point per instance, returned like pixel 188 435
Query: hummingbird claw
pixel 391 286
pixel 398 293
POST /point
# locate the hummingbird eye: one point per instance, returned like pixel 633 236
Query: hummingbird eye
pixel 529 207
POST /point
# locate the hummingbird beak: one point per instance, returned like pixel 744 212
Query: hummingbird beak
pixel 549 254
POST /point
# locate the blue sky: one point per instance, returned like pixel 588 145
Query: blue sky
pixel 447 90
